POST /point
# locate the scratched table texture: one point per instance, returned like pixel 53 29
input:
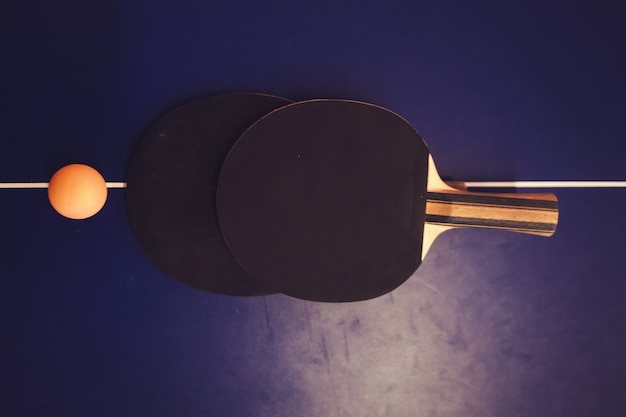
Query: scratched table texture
pixel 491 324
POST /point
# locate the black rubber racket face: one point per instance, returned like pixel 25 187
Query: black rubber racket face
pixel 324 200
pixel 171 190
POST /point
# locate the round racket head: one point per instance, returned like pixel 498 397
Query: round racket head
pixel 324 200
pixel 171 190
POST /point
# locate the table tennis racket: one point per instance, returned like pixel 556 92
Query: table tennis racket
pixel 335 201
pixel 171 190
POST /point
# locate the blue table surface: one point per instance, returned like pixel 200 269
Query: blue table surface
pixel 491 324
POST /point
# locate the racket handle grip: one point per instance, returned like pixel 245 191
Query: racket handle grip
pixel 526 213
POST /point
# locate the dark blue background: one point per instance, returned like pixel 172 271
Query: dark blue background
pixel 492 323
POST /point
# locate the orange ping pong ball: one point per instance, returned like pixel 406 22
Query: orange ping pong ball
pixel 77 191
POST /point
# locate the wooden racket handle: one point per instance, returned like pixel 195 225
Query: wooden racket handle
pixel 527 213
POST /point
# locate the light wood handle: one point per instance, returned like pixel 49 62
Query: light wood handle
pixel 527 213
